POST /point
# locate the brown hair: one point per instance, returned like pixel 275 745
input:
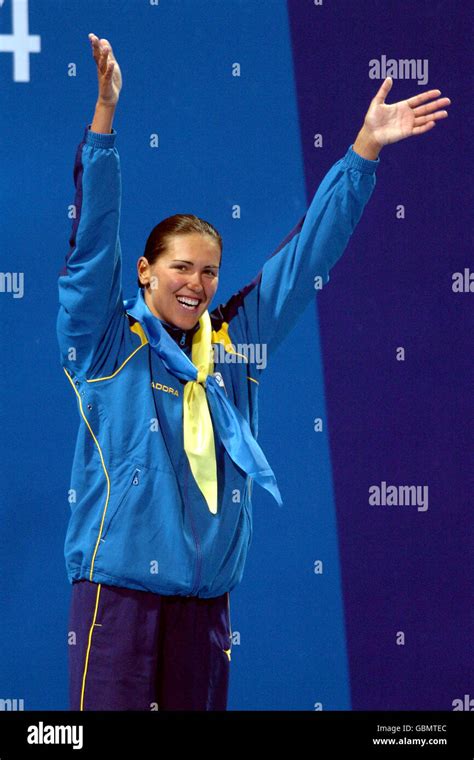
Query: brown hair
pixel 179 224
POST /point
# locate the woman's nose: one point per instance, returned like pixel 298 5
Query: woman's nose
pixel 195 283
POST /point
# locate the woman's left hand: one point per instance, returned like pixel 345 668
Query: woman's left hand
pixel 386 124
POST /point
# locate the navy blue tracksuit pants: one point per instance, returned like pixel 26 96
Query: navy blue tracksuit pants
pixel 135 650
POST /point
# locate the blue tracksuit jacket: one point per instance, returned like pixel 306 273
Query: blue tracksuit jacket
pixel 138 519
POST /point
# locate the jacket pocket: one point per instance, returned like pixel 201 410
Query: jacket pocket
pixel 134 480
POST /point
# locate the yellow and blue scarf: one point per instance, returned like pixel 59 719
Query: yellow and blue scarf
pixel 202 393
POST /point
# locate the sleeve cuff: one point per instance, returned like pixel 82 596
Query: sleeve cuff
pixel 99 139
pixel 364 165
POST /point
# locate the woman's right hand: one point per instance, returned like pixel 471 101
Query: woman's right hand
pixel 108 71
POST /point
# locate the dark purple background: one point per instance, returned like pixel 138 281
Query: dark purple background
pixel 410 422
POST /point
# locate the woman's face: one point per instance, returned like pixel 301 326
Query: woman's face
pixel 188 270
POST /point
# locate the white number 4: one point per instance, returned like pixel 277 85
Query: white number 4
pixel 20 42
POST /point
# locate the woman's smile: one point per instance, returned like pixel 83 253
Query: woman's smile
pixel 188 303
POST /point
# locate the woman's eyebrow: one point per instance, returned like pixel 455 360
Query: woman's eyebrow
pixel 183 261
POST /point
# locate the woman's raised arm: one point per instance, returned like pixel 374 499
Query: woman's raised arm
pixel 90 283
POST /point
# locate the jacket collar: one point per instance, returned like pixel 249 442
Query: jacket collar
pixel 184 338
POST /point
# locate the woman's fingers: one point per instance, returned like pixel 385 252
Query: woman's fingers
pixel 422 110
pixel 420 120
pixel 108 70
pixel 97 51
pixel 101 49
pixel 95 45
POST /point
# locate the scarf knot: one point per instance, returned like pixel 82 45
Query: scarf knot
pixel 202 395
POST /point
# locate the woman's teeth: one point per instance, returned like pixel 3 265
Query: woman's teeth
pixel 191 304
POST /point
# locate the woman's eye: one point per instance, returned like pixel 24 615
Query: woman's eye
pixel 209 271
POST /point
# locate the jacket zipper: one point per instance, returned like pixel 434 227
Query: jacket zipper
pixel 197 575
pixel 197 572
pixel 134 482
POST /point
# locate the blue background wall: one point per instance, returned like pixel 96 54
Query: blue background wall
pixel 302 639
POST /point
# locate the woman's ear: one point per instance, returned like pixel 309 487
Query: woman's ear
pixel 142 270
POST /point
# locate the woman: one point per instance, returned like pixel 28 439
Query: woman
pixel 166 453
